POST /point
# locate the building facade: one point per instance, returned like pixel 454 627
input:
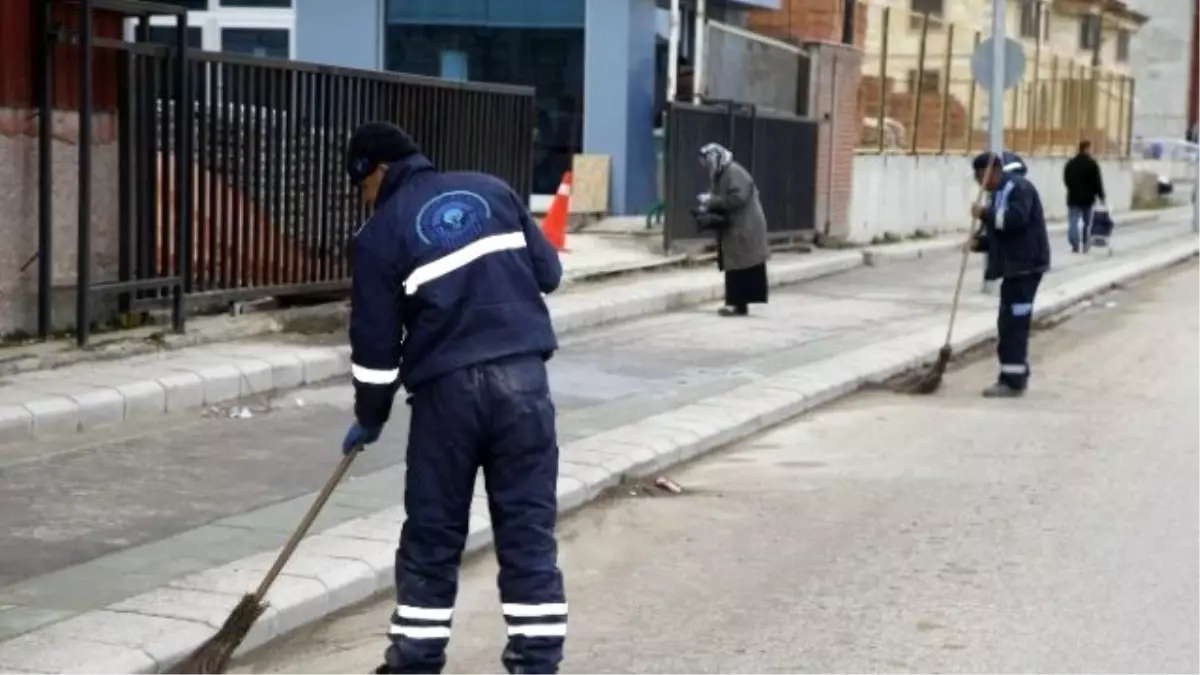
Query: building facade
pixel 597 66
pixel 1164 74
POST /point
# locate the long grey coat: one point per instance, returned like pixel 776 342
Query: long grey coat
pixel 743 243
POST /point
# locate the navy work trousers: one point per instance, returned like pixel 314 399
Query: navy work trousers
pixel 1012 328
pixel 497 417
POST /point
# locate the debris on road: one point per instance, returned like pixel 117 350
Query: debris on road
pixel 668 485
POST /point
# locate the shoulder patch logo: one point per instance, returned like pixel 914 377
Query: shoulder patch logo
pixel 453 219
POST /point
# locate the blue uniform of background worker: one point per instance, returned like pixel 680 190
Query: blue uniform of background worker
pixel 1017 245
pixel 449 275
pixel 1015 165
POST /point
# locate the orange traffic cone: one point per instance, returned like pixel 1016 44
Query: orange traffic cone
pixel 554 226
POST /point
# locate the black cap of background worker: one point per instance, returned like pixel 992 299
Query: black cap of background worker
pixel 375 143
pixel 985 159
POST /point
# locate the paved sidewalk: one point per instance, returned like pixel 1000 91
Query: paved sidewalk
pixel 162 529
pixel 95 395
pixel 98 394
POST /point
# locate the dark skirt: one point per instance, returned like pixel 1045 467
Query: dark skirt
pixel 747 286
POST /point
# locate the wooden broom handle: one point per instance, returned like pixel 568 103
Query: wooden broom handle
pixel 966 254
pixel 290 547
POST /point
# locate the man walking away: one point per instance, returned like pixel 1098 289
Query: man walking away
pixel 448 277
pixel 1085 186
pixel 1018 253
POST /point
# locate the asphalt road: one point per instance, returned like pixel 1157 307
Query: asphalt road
pixel 1058 533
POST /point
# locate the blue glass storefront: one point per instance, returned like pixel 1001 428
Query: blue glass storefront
pixel 539 43
pixel 596 65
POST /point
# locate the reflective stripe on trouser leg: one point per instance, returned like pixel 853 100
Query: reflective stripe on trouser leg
pixel 520 468
pixel 1013 326
pixel 442 461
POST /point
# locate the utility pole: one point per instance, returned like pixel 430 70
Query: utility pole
pixel 996 91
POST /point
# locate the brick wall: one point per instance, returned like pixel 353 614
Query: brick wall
pixel 836 72
pixel 808 20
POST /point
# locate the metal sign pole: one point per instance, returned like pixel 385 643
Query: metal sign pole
pixel 996 90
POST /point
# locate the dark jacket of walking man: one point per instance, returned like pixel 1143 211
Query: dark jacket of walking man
pixel 1015 240
pixel 1085 186
pixel 449 274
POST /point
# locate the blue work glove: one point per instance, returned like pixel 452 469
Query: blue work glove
pixel 360 435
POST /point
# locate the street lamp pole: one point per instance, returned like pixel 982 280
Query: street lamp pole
pixel 996 90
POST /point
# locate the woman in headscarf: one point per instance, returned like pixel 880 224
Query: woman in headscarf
pixel 742 249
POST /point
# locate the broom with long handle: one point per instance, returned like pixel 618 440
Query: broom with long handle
pixel 932 380
pixel 213 656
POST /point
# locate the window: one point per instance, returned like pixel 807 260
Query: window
pixel 1123 45
pixel 931 81
pixel 258 4
pixel 934 8
pixel 1045 16
pixel 1089 31
pixel 549 59
pixel 1031 13
pixel 272 42
pixel 165 35
pixel 455 65
pixel 190 5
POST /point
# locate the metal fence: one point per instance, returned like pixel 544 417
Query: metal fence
pixel 917 94
pixel 778 149
pixel 232 172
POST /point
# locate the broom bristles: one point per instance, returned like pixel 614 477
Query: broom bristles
pixel 932 380
pixel 214 655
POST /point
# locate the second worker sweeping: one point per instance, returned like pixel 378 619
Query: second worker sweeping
pixel 1017 246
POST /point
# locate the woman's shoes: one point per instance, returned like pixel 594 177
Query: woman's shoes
pixel 733 311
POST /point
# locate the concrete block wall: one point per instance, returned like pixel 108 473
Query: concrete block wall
pixel 19 214
pixel 900 194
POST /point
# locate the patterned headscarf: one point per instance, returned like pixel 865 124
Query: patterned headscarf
pixel 716 157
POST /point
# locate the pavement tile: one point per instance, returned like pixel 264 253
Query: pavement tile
pixel 296 599
pixel 53 415
pixel 18 619
pixel 320 364
pixel 616 464
pixel 163 639
pixel 595 479
pixel 183 391
pixel 16 423
pixel 382 526
pixel 143 399
pixel 344 581
pixel 378 556
pixel 571 493
pixel 479 532
pixel 47 654
pixel 99 408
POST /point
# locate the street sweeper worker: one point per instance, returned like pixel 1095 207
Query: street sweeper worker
pixel 1014 238
pixel 449 274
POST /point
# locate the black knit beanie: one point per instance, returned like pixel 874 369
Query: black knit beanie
pixel 375 143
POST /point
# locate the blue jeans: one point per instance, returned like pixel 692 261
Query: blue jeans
pixel 1079 219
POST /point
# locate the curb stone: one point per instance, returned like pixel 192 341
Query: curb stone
pixel 225 373
pixel 355 560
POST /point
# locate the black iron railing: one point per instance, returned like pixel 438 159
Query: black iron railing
pixel 231 167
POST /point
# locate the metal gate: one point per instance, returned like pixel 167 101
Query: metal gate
pixel 231 168
pixel 779 150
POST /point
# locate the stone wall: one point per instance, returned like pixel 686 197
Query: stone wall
pixel 900 194
pixel 19 214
